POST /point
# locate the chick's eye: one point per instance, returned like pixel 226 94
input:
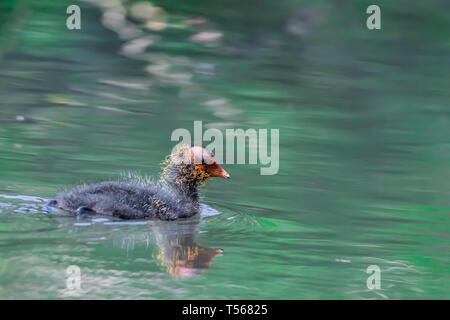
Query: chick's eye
pixel 207 160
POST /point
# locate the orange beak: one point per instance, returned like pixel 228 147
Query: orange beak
pixel 215 170
pixel 206 161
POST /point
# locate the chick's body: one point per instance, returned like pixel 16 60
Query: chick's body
pixel 174 196
pixel 129 200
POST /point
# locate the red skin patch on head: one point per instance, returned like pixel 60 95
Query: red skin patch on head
pixel 206 161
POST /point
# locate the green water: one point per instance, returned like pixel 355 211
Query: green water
pixel 364 122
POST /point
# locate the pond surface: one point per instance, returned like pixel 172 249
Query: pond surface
pixel 364 122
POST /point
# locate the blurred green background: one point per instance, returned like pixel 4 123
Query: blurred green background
pixel 364 120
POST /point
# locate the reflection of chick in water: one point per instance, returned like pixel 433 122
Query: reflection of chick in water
pixel 178 251
pixel 172 243
pixel 184 260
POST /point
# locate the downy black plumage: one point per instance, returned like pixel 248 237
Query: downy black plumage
pixel 175 195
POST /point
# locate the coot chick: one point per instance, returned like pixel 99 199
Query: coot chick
pixel 174 195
